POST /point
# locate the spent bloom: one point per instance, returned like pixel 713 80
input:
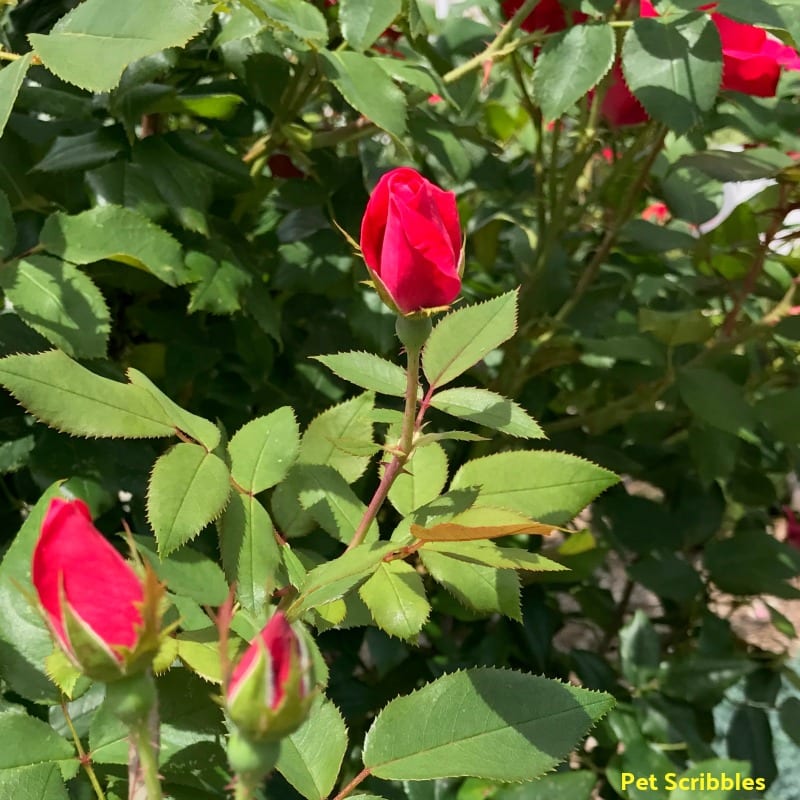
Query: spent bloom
pixel 412 243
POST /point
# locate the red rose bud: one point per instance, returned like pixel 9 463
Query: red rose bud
pixel 95 604
pixel 412 243
pixel 269 691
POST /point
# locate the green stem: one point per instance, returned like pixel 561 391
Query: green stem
pixel 148 760
pixel 83 757
pixel 244 790
pixel 498 48
pixel 506 32
pixel 400 459
pixel 620 218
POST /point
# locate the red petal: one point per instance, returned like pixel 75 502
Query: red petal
pixel 98 583
pixel 280 642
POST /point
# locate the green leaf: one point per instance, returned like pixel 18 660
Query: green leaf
pixel 422 479
pixel 250 552
pixel 673 68
pixel 327 496
pixel 367 88
pixel 219 282
pixel 367 371
pixel 698 775
pixel 82 152
pixel 200 651
pixel 333 435
pixel 188 573
pixel 490 409
pixel 573 784
pixel 490 555
pixel 727 166
pixel 93 43
pixel 311 757
pixel 789 716
pixel 29 758
pixel 116 233
pixel 334 579
pixel 753 562
pixel 465 336
pixel 57 300
pixel 363 21
pixel 715 399
pixel 302 19
pixel 779 413
pixel 676 327
pixel 548 486
pixel 263 450
pixel 189 488
pixel 25 642
pixel 395 596
pixel 185 188
pixel 639 649
pixel 486 723
pixel 560 78
pixel 484 589
pixel 8 229
pixel 72 399
pixel 201 430
pixel 11 78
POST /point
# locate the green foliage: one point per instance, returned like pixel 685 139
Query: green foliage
pixel 188 489
pixel 180 202
pixel 362 22
pixel 367 371
pixel 547 486
pixel 466 336
pixel 368 89
pixel 502 717
pixel 560 78
pixel 263 450
pixel 31 760
pixel 674 68
pixel 395 596
pixel 60 302
pixel 119 234
pixel 488 408
pixel 75 400
pixel 93 44
pixel 311 757
pixel 10 83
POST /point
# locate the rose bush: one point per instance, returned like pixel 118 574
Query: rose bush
pixel 166 277
pixel 412 243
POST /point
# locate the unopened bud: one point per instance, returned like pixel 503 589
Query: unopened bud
pixel 269 692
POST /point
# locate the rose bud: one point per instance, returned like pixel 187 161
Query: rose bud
pixel 411 241
pixel 269 692
pixel 94 603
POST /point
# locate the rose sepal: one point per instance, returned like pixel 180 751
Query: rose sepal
pixel 95 658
